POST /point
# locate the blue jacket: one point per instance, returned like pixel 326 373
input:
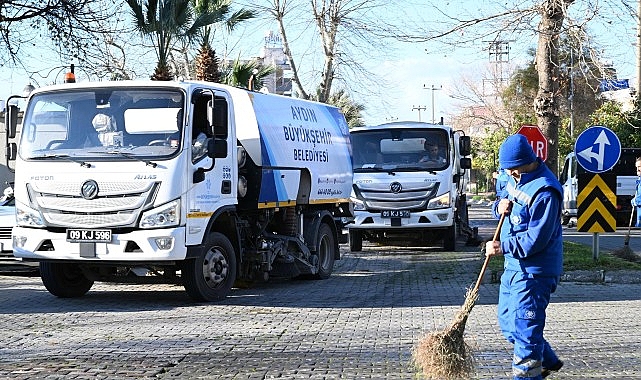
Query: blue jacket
pixel 501 182
pixel 531 236
pixel 636 201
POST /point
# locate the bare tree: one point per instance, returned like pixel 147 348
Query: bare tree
pixel 343 35
pixel 71 25
pixel 545 19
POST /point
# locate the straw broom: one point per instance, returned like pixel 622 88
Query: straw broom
pixel 444 354
pixel 625 252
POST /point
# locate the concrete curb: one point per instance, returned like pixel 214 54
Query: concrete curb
pixel 589 276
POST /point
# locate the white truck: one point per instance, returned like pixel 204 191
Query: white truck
pixel 183 182
pixel 401 193
pixel 625 185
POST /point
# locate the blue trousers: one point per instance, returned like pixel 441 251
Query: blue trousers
pixel 638 224
pixel 523 299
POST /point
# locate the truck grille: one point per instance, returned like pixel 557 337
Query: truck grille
pixel 117 205
pixel 409 198
pixel 5 232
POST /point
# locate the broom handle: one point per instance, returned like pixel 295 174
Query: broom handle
pixel 487 258
pixel 626 241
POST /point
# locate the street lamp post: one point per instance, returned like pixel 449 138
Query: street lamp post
pixel 433 88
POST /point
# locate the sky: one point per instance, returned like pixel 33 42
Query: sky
pixel 410 71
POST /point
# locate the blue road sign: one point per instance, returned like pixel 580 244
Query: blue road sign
pixel 597 149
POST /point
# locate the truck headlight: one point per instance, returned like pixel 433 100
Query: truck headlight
pixel 167 215
pixel 442 201
pixel 28 217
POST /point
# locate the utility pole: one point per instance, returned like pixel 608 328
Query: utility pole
pixel 433 88
pixel 419 109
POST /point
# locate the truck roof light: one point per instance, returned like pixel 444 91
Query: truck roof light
pixel 70 77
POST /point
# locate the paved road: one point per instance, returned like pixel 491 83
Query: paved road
pixel 362 323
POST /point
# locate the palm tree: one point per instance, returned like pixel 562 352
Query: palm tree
pixel 161 21
pixel 217 11
pixel 164 21
pixel 350 109
pixel 241 73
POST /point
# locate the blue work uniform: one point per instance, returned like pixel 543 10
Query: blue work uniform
pixel 636 202
pixel 501 182
pixel 531 241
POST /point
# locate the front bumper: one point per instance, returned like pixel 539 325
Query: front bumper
pixel 136 246
pixel 437 218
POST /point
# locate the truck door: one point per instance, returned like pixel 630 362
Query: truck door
pixel 219 187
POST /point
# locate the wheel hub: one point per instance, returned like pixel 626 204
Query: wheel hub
pixel 215 268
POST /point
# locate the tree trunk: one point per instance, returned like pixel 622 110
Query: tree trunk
pixel 546 103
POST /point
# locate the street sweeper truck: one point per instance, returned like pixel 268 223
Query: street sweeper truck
pixel 409 184
pixel 183 182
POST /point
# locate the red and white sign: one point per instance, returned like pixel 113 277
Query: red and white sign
pixel 538 142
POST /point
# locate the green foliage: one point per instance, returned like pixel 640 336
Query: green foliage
pixel 577 93
pixel 626 125
pixel 240 73
pixel 518 96
pixel 485 151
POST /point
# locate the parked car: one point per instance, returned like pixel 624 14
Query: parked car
pixel 7 221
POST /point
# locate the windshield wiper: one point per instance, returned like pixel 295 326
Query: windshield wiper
pixel 374 169
pixel 65 157
pixel 129 156
pixel 419 169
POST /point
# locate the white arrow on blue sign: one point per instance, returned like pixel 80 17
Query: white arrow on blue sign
pixel 597 149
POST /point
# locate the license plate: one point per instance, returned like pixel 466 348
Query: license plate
pixel 77 235
pixel 395 214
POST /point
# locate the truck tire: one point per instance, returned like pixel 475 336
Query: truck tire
pixel 325 249
pixel 211 275
pixel 64 280
pixel 355 240
pixel 449 241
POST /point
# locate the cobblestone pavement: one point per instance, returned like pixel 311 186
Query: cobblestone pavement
pixel 362 323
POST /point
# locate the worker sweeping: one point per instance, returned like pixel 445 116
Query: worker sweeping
pixel 531 243
pixel 636 200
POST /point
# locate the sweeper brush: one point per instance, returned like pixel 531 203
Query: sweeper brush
pixel 444 354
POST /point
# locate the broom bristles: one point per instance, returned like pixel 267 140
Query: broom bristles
pixel 445 354
pixel 626 253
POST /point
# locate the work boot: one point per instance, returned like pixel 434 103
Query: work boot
pixel 545 372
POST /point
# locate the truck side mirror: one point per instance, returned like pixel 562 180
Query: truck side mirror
pixel 12 151
pixel 210 114
pixel 465 145
pixel 466 163
pixel 11 120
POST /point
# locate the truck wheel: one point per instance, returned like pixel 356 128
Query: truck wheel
pixel 64 280
pixel 210 276
pixel 325 249
pixel 355 240
pixel 449 241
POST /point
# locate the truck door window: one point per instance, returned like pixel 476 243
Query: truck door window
pixel 201 130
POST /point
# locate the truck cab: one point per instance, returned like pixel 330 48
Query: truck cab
pixel 409 183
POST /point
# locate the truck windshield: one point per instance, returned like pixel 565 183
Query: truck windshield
pixel 88 123
pixel 400 150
